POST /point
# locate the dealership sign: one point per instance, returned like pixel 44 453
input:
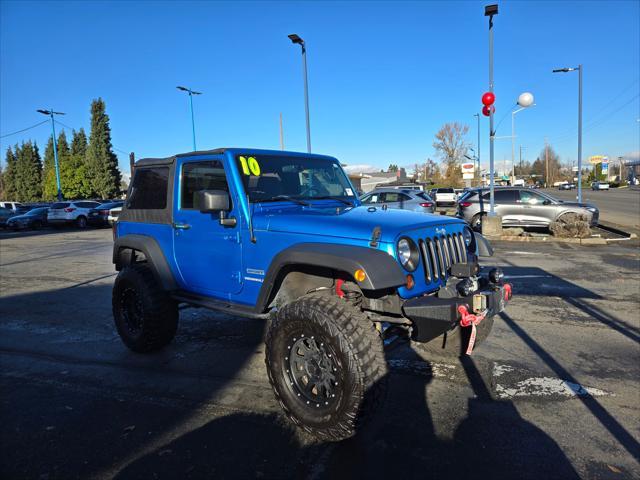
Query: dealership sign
pixel 468 168
pixel 596 159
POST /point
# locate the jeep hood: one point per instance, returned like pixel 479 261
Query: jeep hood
pixel 351 222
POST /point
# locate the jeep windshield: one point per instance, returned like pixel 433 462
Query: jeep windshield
pixel 273 178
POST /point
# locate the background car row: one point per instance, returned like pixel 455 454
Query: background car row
pixel 79 213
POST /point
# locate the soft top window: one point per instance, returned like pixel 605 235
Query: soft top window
pixel 149 189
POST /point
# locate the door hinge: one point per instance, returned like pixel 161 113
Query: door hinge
pixel 235 238
pixel 235 276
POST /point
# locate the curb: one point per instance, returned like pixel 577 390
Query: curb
pixel 551 239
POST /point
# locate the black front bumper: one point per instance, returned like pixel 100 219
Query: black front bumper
pixel 433 316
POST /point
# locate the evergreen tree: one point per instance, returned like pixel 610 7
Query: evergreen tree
pixel 102 163
pixel 49 184
pixel 28 173
pixel 9 176
pixel 74 170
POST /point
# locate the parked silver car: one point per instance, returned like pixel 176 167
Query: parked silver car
pixel 520 207
pixel 403 199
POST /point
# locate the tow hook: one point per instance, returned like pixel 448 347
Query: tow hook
pixel 468 319
pixel 507 291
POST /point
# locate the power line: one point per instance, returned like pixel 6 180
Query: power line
pixel 24 129
pixel 112 145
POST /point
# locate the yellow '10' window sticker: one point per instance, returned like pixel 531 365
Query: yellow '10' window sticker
pixel 250 166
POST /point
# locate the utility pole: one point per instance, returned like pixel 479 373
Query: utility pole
pixel 546 162
pixel 281 134
pixel 521 160
pixel 51 113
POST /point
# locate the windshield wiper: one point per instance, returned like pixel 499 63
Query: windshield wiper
pixel 329 197
pixel 285 197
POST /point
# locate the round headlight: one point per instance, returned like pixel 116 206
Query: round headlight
pixel 469 239
pixel 468 236
pixel 408 254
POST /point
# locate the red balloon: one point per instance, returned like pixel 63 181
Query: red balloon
pixel 488 99
pixel 486 111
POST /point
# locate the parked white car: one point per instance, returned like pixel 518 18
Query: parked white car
pixel 444 196
pixel 600 186
pixel 73 212
pixel 15 206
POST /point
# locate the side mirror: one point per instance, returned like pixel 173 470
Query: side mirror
pixel 208 201
pixel 547 202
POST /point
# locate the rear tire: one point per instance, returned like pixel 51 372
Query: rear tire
pixel 145 316
pixel 37 225
pixel 476 222
pixel 326 365
pixel 81 222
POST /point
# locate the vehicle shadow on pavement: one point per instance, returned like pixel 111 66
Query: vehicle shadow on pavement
pixel 23 233
pixel 493 441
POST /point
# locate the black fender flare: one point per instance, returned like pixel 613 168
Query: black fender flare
pixel 153 253
pixel 382 271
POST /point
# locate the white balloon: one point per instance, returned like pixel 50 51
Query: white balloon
pixel 525 99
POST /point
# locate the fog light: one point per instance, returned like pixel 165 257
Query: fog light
pixel 496 275
pixel 410 282
pixel 465 287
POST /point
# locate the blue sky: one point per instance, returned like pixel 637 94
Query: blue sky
pixel 383 76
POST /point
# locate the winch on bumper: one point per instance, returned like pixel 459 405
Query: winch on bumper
pixel 432 316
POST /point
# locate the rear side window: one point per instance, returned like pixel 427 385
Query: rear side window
pixel 87 204
pixel 395 197
pixel 149 189
pixel 198 176
pixel 504 196
pixel 59 205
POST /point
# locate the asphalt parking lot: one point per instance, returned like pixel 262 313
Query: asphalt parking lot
pixel 553 393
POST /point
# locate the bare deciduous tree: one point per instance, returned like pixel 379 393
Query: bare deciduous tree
pixel 452 146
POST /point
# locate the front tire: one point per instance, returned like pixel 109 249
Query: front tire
pixel 145 316
pixel 476 222
pixel 326 365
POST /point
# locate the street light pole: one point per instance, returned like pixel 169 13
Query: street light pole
pixel 51 113
pixel 193 124
pixel 579 69
pixel 478 155
pixel 490 11
pixel 296 39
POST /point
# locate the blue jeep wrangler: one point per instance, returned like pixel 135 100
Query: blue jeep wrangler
pixel 283 236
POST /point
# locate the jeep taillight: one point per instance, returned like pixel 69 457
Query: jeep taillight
pixel 69 209
pixel 465 204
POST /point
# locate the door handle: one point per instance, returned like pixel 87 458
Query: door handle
pixel 181 226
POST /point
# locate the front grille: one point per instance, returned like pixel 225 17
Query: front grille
pixel 439 253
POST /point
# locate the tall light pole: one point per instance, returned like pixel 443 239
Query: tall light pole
pixel 579 69
pixel 477 115
pixel 193 124
pixel 525 100
pixel 296 39
pixel 490 11
pixel 51 113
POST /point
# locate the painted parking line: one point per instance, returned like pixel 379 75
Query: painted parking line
pixel 508 381
pixel 509 384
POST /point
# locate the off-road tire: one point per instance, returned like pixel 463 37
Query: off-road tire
pixel 454 343
pixel 358 353
pixel 145 316
pixel 81 222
